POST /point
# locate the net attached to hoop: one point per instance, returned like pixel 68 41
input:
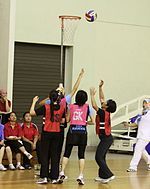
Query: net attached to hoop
pixel 68 28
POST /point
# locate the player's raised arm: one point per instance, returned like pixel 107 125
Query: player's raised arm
pixel 101 93
pixel 92 93
pixel 77 83
pixel 32 109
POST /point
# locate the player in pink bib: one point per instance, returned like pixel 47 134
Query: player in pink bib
pixel 77 134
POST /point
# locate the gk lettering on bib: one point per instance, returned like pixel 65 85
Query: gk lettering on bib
pixel 78 114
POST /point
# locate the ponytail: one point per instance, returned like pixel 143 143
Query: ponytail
pixel 53 95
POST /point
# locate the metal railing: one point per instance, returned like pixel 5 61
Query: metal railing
pixel 124 113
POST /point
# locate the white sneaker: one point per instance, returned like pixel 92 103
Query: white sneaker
pixel 80 180
pixel 2 168
pixel 66 177
pixel 56 181
pixel 131 170
pixel 29 156
pixel 104 181
pixel 20 167
pixel 98 179
pixel 62 176
pixel 11 167
pixel 112 178
pixel 42 181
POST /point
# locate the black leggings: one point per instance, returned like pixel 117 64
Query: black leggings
pixel 81 151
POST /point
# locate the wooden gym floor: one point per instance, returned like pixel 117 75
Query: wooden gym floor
pixel 25 179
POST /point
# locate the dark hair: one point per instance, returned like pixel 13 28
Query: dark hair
pixel 53 95
pixel 11 113
pixel 81 98
pixel 112 106
pixel 25 114
pixel 61 96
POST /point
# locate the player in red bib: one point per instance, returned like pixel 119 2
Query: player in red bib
pixel 50 136
pixel 103 130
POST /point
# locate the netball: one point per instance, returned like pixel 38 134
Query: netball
pixel 90 15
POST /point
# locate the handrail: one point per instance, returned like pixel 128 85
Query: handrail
pixel 122 136
pixel 128 113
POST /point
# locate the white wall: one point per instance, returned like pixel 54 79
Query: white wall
pixel 117 53
pixel 7 26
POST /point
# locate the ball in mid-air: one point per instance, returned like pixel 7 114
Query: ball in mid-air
pixel 91 16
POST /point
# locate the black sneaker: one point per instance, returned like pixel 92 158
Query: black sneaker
pixel 27 167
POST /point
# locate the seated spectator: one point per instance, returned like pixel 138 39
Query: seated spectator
pixel 13 135
pixel 30 137
pixel 5 106
pixel 2 148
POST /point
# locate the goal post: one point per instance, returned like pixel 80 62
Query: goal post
pixel 68 27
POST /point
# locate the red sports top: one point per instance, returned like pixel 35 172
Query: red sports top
pixel 107 124
pixel 3 105
pixel 30 132
pixel 9 131
pixel 50 126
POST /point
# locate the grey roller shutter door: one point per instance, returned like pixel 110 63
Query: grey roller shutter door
pixel 36 72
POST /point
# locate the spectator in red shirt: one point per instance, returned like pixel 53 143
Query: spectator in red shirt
pixel 30 137
pixel 2 150
pixel 5 106
pixel 13 135
pixel 2 147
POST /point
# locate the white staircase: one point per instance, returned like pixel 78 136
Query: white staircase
pixel 124 113
pixel 128 110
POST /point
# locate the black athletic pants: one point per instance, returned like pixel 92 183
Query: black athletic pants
pixel 49 152
pixel 61 142
pixel 100 156
pixel 38 151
